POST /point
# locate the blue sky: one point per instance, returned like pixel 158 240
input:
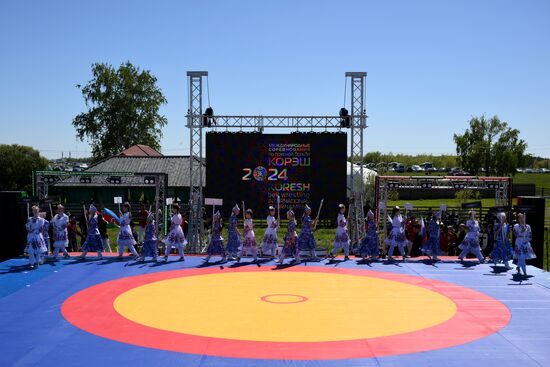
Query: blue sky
pixel 431 64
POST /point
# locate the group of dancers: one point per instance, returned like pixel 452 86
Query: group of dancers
pixel 38 241
pixel 503 251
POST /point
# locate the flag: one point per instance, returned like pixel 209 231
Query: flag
pixel 110 216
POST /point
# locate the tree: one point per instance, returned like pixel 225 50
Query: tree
pixel 16 165
pixel 490 144
pixel 123 110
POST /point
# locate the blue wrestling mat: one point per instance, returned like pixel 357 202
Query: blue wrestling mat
pixel 112 312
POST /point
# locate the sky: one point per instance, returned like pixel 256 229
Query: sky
pixel 431 65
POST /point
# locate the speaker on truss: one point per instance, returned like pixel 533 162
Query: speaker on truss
pixel 534 207
pixel 345 119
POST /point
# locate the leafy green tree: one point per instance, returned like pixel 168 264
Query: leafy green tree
pixel 490 144
pixel 16 165
pixel 123 110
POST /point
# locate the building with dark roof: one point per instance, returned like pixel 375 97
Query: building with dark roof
pixel 136 159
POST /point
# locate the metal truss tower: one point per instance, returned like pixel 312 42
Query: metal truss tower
pixel 357 185
pixel 197 121
pixel 194 123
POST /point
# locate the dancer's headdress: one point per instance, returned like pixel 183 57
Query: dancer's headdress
pixel 236 207
pixel 370 214
pixel 290 212
pixel 92 208
pixel 306 208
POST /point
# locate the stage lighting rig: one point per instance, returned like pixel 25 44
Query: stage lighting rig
pixel 85 180
pixel 149 179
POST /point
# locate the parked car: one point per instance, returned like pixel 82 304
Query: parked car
pixel 416 168
pixel 461 173
pixel 529 170
pixel 400 168
pixel 520 170
pixel 543 170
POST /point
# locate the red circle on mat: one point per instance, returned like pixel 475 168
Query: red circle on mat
pixel 299 298
pixel 477 316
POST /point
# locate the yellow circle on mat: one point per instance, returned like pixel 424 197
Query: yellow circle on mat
pixel 338 306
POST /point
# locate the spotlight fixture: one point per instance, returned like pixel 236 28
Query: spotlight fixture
pixel 85 180
pixel 50 179
pixel 149 179
pixel 115 180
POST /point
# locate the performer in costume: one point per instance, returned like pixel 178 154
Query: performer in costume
pixel 249 243
pixel 470 244
pixel 397 234
pixel 46 234
pixel 269 242
pixel 369 245
pixel 175 237
pixel 290 249
pixel 125 235
pixel 149 248
pixel 215 247
pixel 234 236
pixel 60 236
pixel 93 242
pixel 306 240
pixel 431 247
pixel 342 237
pixel 35 240
pixel 502 251
pixel 523 250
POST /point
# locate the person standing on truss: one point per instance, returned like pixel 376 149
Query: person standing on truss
pixel 342 238
pixel 60 235
pixel 290 249
pixel 149 248
pixel 523 250
pixel 431 247
pixel 234 236
pixel 215 247
pixel 35 240
pixel 397 234
pixel 306 240
pixel 125 235
pixel 470 244
pixel 176 237
pixel 249 244
pixel 502 251
pixel 269 242
pixel 93 242
pixel 369 245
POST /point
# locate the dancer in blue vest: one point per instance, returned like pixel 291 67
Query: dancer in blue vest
pixel 306 240
pixel 290 249
pixel 93 242
pixel 216 240
pixel 149 248
pixel 432 247
pixel 369 246
pixel 234 236
pixel 502 251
